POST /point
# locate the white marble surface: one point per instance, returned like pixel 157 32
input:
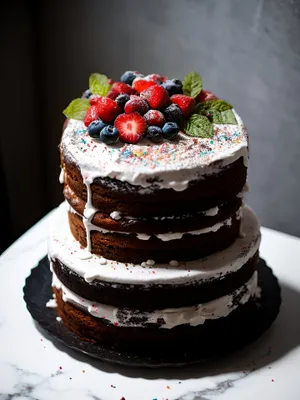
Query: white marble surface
pixel 32 367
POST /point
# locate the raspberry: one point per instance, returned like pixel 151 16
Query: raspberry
pixel 205 95
pixel 136 104
pixel 155 117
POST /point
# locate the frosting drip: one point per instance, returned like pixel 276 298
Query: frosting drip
pixel 168 318
pixel 64 247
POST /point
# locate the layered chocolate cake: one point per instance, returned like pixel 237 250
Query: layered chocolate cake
pixel 153 245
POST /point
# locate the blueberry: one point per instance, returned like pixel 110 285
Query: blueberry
pixel 87 94
pixel 122 100
pixel 170 130
pixel 129 76
pixel 173 86
pixel 154 133
pixel 172 113
pixel 95 128
pixel 109 134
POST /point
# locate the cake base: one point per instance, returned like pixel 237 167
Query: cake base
pixel 36 300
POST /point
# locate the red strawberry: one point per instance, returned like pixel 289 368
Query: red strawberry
pixel 155 117
pixel 108 109
pixel 94 99
pixel 110 81
pixel 185 103
pixel 130 126
pixel 205 95
pixel 136 104
pixel 156 96
pixel 123 88
pixel 140 84
pixel 164 78
pixel 90 115
pixel 112 94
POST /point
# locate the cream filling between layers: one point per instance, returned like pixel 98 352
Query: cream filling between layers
pixel 63 246
pixel 144 236
pixel 172 317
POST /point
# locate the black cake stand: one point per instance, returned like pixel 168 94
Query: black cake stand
pixel 37 292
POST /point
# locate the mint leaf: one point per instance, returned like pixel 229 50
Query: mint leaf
pixel 198 126
pixel 224 117
pixel 192 84
pixel 217 105
pixel 98 84
pixel 77 109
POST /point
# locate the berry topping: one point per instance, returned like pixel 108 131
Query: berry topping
pixel 130 126
pixel 170 130
pixel 155 117
pixel 173 87
pixel 122 99
pixel 140 84
pixel 108 109
pixel 156 96
pixel 173 114
pixel 185 103
pixel 136 104
pixel 154 133
pixel 205 95
pixel 122 88
pixel 109 134
pixel 154 77
pixel 87 94
pixel 90 115
pixel 129 76
pixel 95 127
pixel 112 94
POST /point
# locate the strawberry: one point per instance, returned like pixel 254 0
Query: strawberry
pixel 108 109
pixel 94 99
pixel 155 117
pixel 112 94
pixel 130 126
pixel 205 95
pixel 156 96
pixel 140 84
pixel 110 81
pixel 185 103
pixel 122 88
pixel 90 115
pixel 136 104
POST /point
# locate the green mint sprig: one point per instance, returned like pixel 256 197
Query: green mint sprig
pixel 98 84
pixel 77 109
pixel 218 111
pixel 198 126
pixel 192 84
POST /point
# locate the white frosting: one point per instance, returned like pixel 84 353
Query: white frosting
pixel 171 164
pixel 194 315
pixel 115 215
pixel 61 176
pixel 162 236
pixel 63 246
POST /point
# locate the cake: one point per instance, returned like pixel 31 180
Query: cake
pixel 153 245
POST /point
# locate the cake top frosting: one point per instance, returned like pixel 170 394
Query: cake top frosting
pixel 151 131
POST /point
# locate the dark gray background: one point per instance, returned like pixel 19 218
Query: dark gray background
pixel 248 53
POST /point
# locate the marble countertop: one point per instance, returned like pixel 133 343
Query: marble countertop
pixel 33 367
